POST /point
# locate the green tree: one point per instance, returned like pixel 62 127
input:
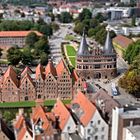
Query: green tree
pixel 79 28
pixel 31 39
pixel 65 17
pixel 91 32
pixel 14 56
pixel 27 57
pixel 46 30
pixel 44 58
pixel 85 14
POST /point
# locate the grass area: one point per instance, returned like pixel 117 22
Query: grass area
pixel 29 103
pixel 72 59
pixel 70 50
pixel 17 104
pixel 4 62
pixel 52 102
pixel 69 37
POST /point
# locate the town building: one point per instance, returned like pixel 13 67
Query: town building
pixel 121 43
pixel 91 125
pixel 132 133
pixel 46 83
pixel 97 62
pixel 123 118
pixel 12 38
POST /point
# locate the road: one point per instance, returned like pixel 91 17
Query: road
pixel 55 43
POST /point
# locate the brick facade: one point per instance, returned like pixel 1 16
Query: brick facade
pixel 49 83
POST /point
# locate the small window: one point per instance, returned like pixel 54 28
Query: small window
pixel 103 128
pixel 99 121
pixel 102 137
pixel 88 138
pixel 88 130
pixel 96 137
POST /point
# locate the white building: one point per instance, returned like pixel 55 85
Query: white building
pixel 122 118
pixel 66 122
pixel 132 133
pixel 91 126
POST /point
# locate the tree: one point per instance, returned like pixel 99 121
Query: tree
pixel 99 17
pixel 46 30
pixel 31 39
pixel 27 57
pixel 65 17
pixel 14 56
pixel 85 14
pixel 1 52
pixel 55 26
pixel 91 32
pixel 79 28
pixel 44 58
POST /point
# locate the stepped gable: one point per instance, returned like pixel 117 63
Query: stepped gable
pixel 40 72
pixel 62 113
pixel 50 69
pixel 61 66
pixel 26 70
pixel 10 73
pixel 108 48
pixel 83 108
pixel 39 113
pixel 28 77
pixel 83 48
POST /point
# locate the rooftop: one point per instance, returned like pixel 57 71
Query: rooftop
pixel 135 130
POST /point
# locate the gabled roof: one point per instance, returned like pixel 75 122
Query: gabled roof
pixel 19 122
pixel 108 48
pixel 26 70
pixel 23 131
pixel 61 66
pixel 39 113
pixel 50 69
pixel 10 72
pixel 40 71
pixel 83 108
pixel 26 76
pixel 6 130
pixel 123 41
pixel 83 48
pixel 62 113
pixel 17 33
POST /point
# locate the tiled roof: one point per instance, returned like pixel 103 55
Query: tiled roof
pixel 50 68
pixel 39 113
pixel 40 71
pixel 19 122
pixel 83 108
pixel 17 33
pixel 10 72
pixel 61 111
pixel 26 70
pixel 61 67
pixel 122 41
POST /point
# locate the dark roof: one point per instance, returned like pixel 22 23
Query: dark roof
pixel 108 48
pixel 83 48
pixel 6 130
pixel 107 100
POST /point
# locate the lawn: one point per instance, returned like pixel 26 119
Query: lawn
pixel 29 104
pixel 17 104
pixel 72 59
pixel 70 50
pixel 52 102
